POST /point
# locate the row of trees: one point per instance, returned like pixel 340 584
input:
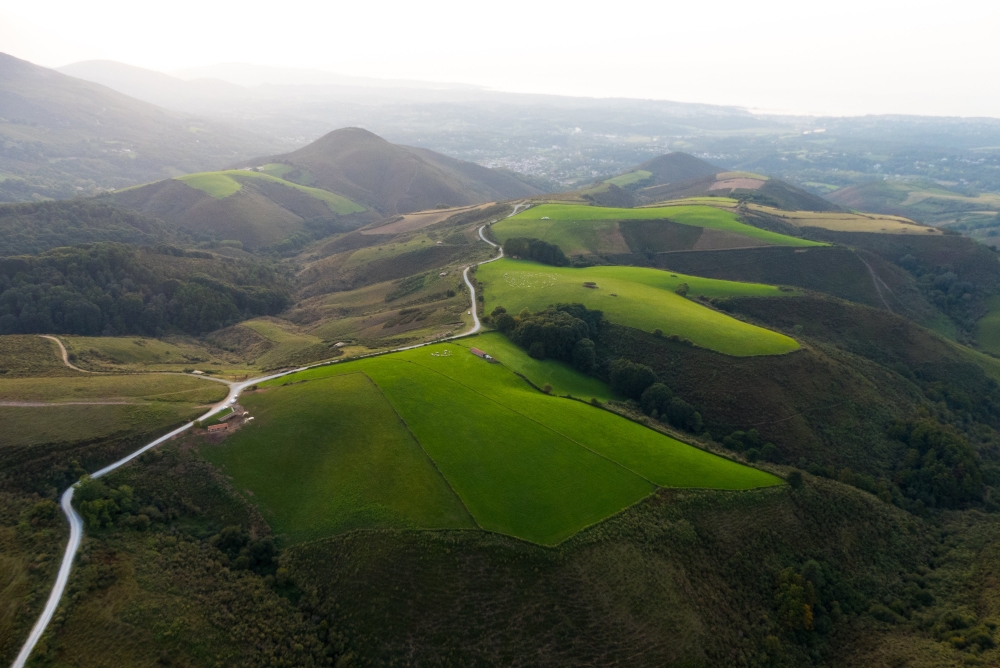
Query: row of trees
pixel 112 289
pixel 638 381
pixel 569 332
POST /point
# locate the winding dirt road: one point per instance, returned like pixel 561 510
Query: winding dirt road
pixel 76 522
pixel 65 355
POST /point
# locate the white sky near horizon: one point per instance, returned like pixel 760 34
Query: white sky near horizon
pixel 848 58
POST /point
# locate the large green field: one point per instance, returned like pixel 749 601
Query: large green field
pixel 221 185
pixel 522 463
pixel 564 379
pixel 332 455
pixel 580 229
pixel 637 297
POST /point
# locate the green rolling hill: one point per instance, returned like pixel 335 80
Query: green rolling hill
pixel 586 230
pixel 254 208
pixel 458 443
pixel 637 297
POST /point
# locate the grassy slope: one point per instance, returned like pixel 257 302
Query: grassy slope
pixel 131 353
pixel 345 472
pixel 36 425
pixel 988 328
pixel 848 222
pixel 645 301
pixel 221 185
pixel 580 229
pixel 27 355
pixel 524 463
pixel 288 347
pixel 147 387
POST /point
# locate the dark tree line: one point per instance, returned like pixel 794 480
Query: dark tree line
pixel 535 249
pixel 564 332
pixel 112 289
pixel 569 332
pixel 638 381
pixel 960 300
pixel 40 226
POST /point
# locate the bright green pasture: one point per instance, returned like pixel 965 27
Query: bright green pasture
pixel 221 185
pixel 145 387
pixel 526 464
pixel 332 455
pixel 276 169
pixel 645 299
pixel 561 376
pixel 630 178
pixel 34 425
pixel 578 228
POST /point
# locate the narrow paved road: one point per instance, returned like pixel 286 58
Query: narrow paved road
pixel 76 522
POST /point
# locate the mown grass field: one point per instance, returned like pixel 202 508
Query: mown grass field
pixel 630 178
pixel 580 229
pixel 332 455
pixel 221 185
pixel 563 378
pixel 523 463
pixel 134 387
pixel 637 297
pixel 35 425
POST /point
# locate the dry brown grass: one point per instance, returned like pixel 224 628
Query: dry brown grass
pixel 849 222
pixel 421 219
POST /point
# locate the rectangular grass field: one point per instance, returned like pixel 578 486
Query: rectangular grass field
pixel 523 463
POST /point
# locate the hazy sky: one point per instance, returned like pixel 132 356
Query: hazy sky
pixel 847 57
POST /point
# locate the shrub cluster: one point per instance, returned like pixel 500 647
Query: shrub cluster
pixel 659 402
pixel 638 381
pixel 940 469
pixel 752 446
pixel 535 249
pixel 960 300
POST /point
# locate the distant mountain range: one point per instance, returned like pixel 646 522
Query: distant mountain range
pixel 62 136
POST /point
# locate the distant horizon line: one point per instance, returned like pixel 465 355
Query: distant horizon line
pixel 423 84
